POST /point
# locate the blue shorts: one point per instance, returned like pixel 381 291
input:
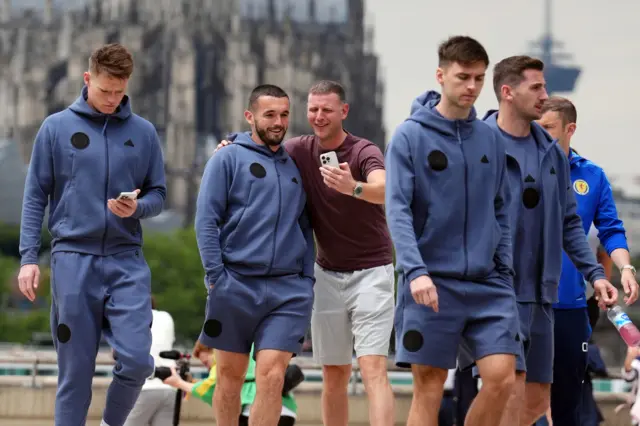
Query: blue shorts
pixel 477 318
pixel 536 329
pixel 272 312
pixel 536 326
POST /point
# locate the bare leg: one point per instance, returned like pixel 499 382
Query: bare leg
pixel 335 402
pixel 428 387
pixel 231 368
pixel 378 387
pixel 498 380
pixel 537 400
pixel 271 366
pixel 511 414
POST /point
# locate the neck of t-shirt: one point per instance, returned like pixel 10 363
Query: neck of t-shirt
pixel 335 143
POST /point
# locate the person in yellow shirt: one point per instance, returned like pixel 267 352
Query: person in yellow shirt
pixel 203 389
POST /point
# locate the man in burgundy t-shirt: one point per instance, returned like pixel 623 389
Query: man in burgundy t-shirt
pixel 354 291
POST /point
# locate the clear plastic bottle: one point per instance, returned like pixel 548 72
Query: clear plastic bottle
pixel 628 331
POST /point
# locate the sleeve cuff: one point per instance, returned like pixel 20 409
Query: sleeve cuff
pixel 418 272
pixel 617 241
pixel 29 259
pixel 214 275
pixel 596 275
pixel 139 209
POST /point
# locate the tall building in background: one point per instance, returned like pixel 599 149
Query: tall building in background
pixel 195 64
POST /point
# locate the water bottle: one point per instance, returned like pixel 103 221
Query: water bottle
pixel 628 331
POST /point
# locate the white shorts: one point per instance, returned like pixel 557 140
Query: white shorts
pixel 352 310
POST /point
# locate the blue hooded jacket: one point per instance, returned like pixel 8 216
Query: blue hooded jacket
pixel 251 214
pixel 447 197
pixel 595 205
pixel 562 227
pixel 81 158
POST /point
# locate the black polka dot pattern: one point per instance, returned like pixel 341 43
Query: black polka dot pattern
pixel 80 140
pixel 257 170
pixel 213 328
pixel 437 160
pixel 64 333
pixel 530 198
pixel 412 340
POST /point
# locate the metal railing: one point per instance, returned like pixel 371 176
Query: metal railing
pixel 41 364
pixel 35 365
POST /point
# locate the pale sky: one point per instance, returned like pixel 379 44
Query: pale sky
pixel 599 34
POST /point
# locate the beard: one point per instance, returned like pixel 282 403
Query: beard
pixel 271 139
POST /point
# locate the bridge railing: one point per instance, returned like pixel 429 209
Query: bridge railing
pixel 34 368
pixel 37 365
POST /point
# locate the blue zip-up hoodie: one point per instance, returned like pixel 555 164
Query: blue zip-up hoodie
pixel 251 214
pixel 595 205
pixel 447 197
pixel 81 158
pixel 562 227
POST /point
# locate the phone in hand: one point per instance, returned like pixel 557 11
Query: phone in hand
pixel 127 196
pixel 329 159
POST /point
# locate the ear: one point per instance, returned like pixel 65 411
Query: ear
pixel 571 129
pixel 345 110
pixel 86 77
pixel 440 76
pixel 506 93
pixel 248 115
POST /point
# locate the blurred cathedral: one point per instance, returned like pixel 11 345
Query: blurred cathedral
pixel 195 64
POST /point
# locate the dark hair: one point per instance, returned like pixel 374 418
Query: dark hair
pixel 112 59
pixel 564 107
pixel 265 90
pixel 463 50
pixel 326 87
pixel 153 302
pixel 510 71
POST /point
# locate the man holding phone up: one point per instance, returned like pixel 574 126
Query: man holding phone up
pixel 344 178
pixel 83 158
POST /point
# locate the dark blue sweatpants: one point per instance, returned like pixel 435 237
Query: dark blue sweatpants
pixel 92 295
pixel 572 332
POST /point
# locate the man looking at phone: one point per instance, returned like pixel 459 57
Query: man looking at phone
pixel 83 158
pixel 257 250
pixel 453 243
pixel 354 291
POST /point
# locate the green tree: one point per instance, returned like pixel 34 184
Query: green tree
pixel 177 279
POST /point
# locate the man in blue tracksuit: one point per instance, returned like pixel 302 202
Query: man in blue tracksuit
pixel 83 158
pixel 544 220
pixel 257 249
pixel 595 205
pixel 447 199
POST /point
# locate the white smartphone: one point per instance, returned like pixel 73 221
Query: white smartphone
pixel 329 159
pixel 128 196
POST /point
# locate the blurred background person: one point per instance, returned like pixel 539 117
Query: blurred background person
pixel 203 389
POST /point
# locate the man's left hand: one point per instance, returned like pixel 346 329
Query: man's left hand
pixel 123 207
pixel 630 286
pixel 339 179
pixel 605 293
